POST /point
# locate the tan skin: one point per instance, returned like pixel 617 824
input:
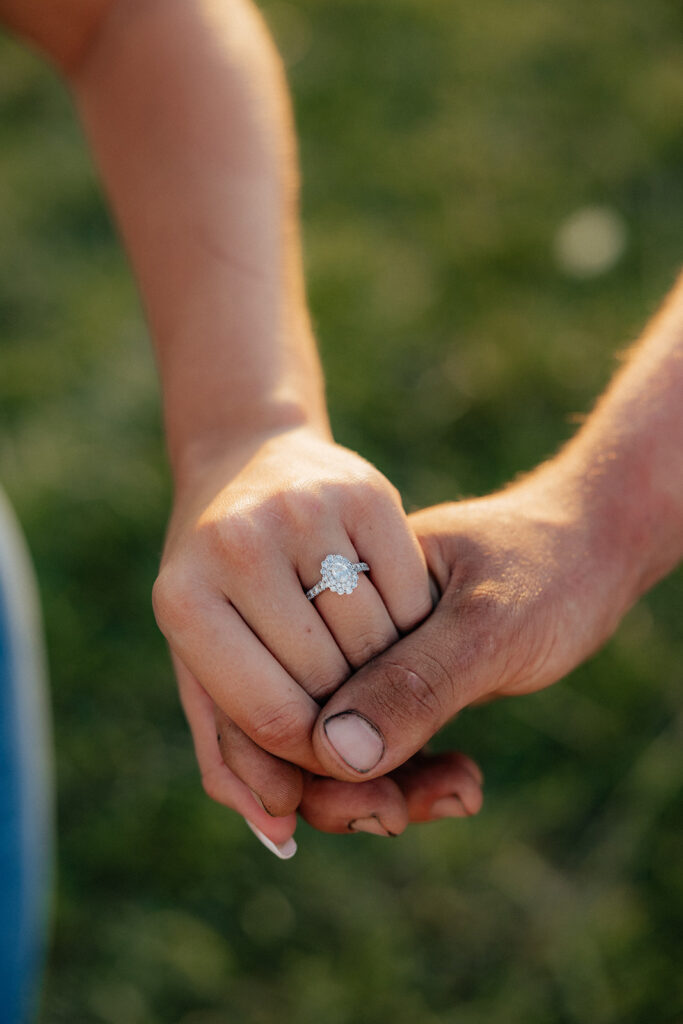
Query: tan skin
pixel 185 107
pixel 536 578
pixel 197 152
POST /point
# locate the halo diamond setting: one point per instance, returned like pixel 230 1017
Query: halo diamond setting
pixel 338 574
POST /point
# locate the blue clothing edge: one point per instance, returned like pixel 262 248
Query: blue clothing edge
pixel 26 773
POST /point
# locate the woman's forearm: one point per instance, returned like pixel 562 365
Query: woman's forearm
pixel 187 111
pixel 186 107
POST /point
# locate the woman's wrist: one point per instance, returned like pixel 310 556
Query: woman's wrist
pixel 214 415
pixel 232 443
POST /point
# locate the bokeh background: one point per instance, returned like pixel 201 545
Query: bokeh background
pixel 492 208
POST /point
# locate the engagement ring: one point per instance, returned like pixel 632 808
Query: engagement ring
pixel 337 573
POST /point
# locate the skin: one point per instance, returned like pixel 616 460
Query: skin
pixel 536 578
pixel 196 150
pixel 186 110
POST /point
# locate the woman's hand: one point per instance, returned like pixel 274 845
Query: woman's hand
pixel 246 539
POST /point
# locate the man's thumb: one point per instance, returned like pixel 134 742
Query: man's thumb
pixel 390 708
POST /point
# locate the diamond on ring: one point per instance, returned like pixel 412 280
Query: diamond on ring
pixel 338 574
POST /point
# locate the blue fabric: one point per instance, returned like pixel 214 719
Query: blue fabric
pixel 25 790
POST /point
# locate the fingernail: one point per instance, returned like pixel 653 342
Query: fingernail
pixel 448 807
pixel 473 769
pixel 284 851
pixel 260 802
pixel 357 741
pixel 372 825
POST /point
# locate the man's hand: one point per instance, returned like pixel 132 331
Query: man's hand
pixel 529 589
pixel 535 578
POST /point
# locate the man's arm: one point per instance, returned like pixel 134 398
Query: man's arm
pixel 533 579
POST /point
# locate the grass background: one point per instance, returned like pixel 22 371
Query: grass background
pixel 444 146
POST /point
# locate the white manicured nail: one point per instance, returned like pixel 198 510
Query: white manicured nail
pixel 284 851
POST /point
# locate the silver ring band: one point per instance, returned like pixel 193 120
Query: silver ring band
pixel 338 574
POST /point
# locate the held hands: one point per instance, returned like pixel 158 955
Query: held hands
pixel 528 591
pixel 255 658
pixel 531 586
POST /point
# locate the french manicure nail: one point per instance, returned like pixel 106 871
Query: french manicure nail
pixel 448 807
pixel 284 851
pixel 372 825
pixel 357 741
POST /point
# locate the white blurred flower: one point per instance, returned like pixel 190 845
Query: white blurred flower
pixel 590 241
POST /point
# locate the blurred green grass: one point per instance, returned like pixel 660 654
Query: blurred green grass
pixel 443 148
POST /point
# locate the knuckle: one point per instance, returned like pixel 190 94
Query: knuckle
pixel 367 645
pixel 297 508
pixel 278 728
pixel 235 540
pixel 367 492
pixel 173 601
pixel 320 682
pixel 408 693
pixel 373 504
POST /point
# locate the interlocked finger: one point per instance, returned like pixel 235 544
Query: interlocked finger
pixel 289 626
pixel 275 784
pixel 427 788
pixel 220 783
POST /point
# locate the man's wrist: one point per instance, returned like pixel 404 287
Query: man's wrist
pixel 631 526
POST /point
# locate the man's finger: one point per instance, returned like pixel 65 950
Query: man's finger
pixel 377 806
pixel 389 709
pixel 437 786
pixel 428 788
pixel 219 782
pixel 277 785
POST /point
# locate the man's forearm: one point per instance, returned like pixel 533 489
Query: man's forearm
pixel 625 466
pixel 187 111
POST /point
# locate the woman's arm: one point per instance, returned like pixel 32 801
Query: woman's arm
pixel 186 108
pixel 187 112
